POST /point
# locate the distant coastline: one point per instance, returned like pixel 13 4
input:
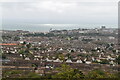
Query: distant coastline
pixel 47 27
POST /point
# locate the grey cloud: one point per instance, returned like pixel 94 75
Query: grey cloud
pixel 61 12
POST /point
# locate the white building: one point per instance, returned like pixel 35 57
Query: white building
pixel 57 60
pixel 27 58
pixel 88 62
pixel 68 61
pixel 48 60
pixel 78 61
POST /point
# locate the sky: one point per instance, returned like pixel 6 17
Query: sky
pixel 59 12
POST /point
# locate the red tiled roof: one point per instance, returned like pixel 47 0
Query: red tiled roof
pixel 8 44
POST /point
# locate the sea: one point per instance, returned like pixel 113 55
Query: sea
pixel 47 27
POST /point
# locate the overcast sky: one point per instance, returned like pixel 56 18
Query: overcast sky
pixel 60 12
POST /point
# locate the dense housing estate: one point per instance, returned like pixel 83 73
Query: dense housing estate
pixel 83 49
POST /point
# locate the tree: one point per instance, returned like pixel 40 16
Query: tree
pixel 118 60
pixel 25 51
pixel 65 71
pixel 24 43
pixel 61 57
pixel 32 75
pixel 3 56
pixel 104 61
pixel 68 55
pixel 16 38
pixel 28 45
pixel 22 52
pixel 28 53
pixel 12 73
pixel 72 51
pixel 99 74
pixel 19 74
pixel 117 75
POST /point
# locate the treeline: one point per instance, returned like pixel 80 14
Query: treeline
pixel 10 37
pixel 63 72
pixel 66 34
pixel 39 34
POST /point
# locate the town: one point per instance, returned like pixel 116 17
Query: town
pixel 43 52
